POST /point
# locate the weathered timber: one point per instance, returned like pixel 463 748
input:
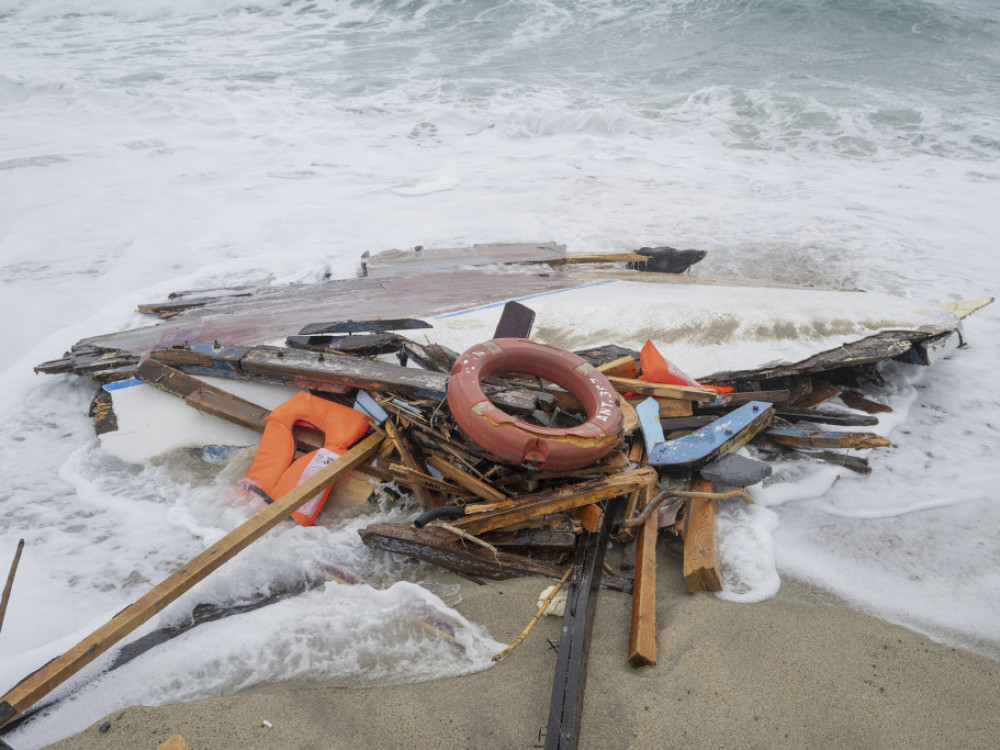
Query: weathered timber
pixel 406 453
pixel 965 308
pixel 515 321
pixel 854 463
pixel 361 345
pixel 859 402
pixel 820 392
pixel 436 546
pixel 208 399
pixel 871 349
pixel 322 372
pixel 682 392
pixel 817 439
pixel 414 478
pixel 667 407
pixel 5 597
pixel 623 367
pixel 778 396
pixel 701 569
pixel 552 501
pixel 472 484
pixel 53 674
pixel 569 682
pixel 642 635
pixel 724 435
pixel 379 325
pixel 840 418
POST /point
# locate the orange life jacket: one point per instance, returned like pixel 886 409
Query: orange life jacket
pixel 274 472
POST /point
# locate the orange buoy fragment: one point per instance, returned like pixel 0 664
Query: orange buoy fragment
pixel 275 470
pixel 517 441
pixel 657 369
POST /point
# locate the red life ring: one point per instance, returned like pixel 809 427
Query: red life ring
pixel 520 442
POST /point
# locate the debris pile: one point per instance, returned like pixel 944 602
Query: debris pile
pixel 524 459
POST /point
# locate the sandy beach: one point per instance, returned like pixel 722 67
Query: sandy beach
pixel 797 671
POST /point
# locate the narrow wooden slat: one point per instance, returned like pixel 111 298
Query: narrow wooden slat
pixel 623 367
pixel 642 636
pixel 476 486
pixel 684 392
pixel 53 674
pixel 564 498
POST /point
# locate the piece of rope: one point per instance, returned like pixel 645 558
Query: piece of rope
pixel 541 610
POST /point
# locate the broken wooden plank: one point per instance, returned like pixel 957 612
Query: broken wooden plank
pixel 208 399
pixel 817 439
pixel 323 372
pixel 515 321
pixel 23 695
pixel 724 435
pixel 569 682
pixel 623 367
pixel 841 418
pixel 820 392
pixel 642 635
pixel 435 546
pixel 552 501
pixel 668 407
pixel 859 402
pixel 472 484
pixel 701 568
pixel 682 392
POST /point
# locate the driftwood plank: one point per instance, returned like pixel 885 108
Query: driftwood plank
pixel 564 498
pixel 701 569
pixel 820 392
pixel 683 392
pixel 642 636
pixel 435 546
pixel 40 683
pixel 817 439
pixel 472 484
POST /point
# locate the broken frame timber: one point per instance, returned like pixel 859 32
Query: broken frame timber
pixel 566 705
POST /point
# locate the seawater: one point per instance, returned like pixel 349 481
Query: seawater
pixel 148 147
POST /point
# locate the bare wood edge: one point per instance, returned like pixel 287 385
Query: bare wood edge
pixel 466 480
pixel 642 636
pixel 701 569
pixel 43 681
pixel 5 597
pixel 687 393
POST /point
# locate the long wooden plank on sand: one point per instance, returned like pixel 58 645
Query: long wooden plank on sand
pixel 23 695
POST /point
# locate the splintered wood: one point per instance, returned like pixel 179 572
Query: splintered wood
pixel 352 341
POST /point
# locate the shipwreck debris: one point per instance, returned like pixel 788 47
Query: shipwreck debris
pixel 609 442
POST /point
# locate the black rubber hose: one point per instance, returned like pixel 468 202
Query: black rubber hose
pixel 445 511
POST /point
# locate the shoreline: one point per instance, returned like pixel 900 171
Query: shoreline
pixel 785 673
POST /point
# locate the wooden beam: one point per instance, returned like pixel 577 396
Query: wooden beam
pixel 642 636
pixel 816 439
pixel 684 392
pixel 701 569
pixel 623 367
pixel 436 546
pixel 552 501
pixel 23 695
pixel 820 392
pixel 476 486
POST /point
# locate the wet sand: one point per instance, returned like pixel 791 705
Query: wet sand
pixel 791 672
